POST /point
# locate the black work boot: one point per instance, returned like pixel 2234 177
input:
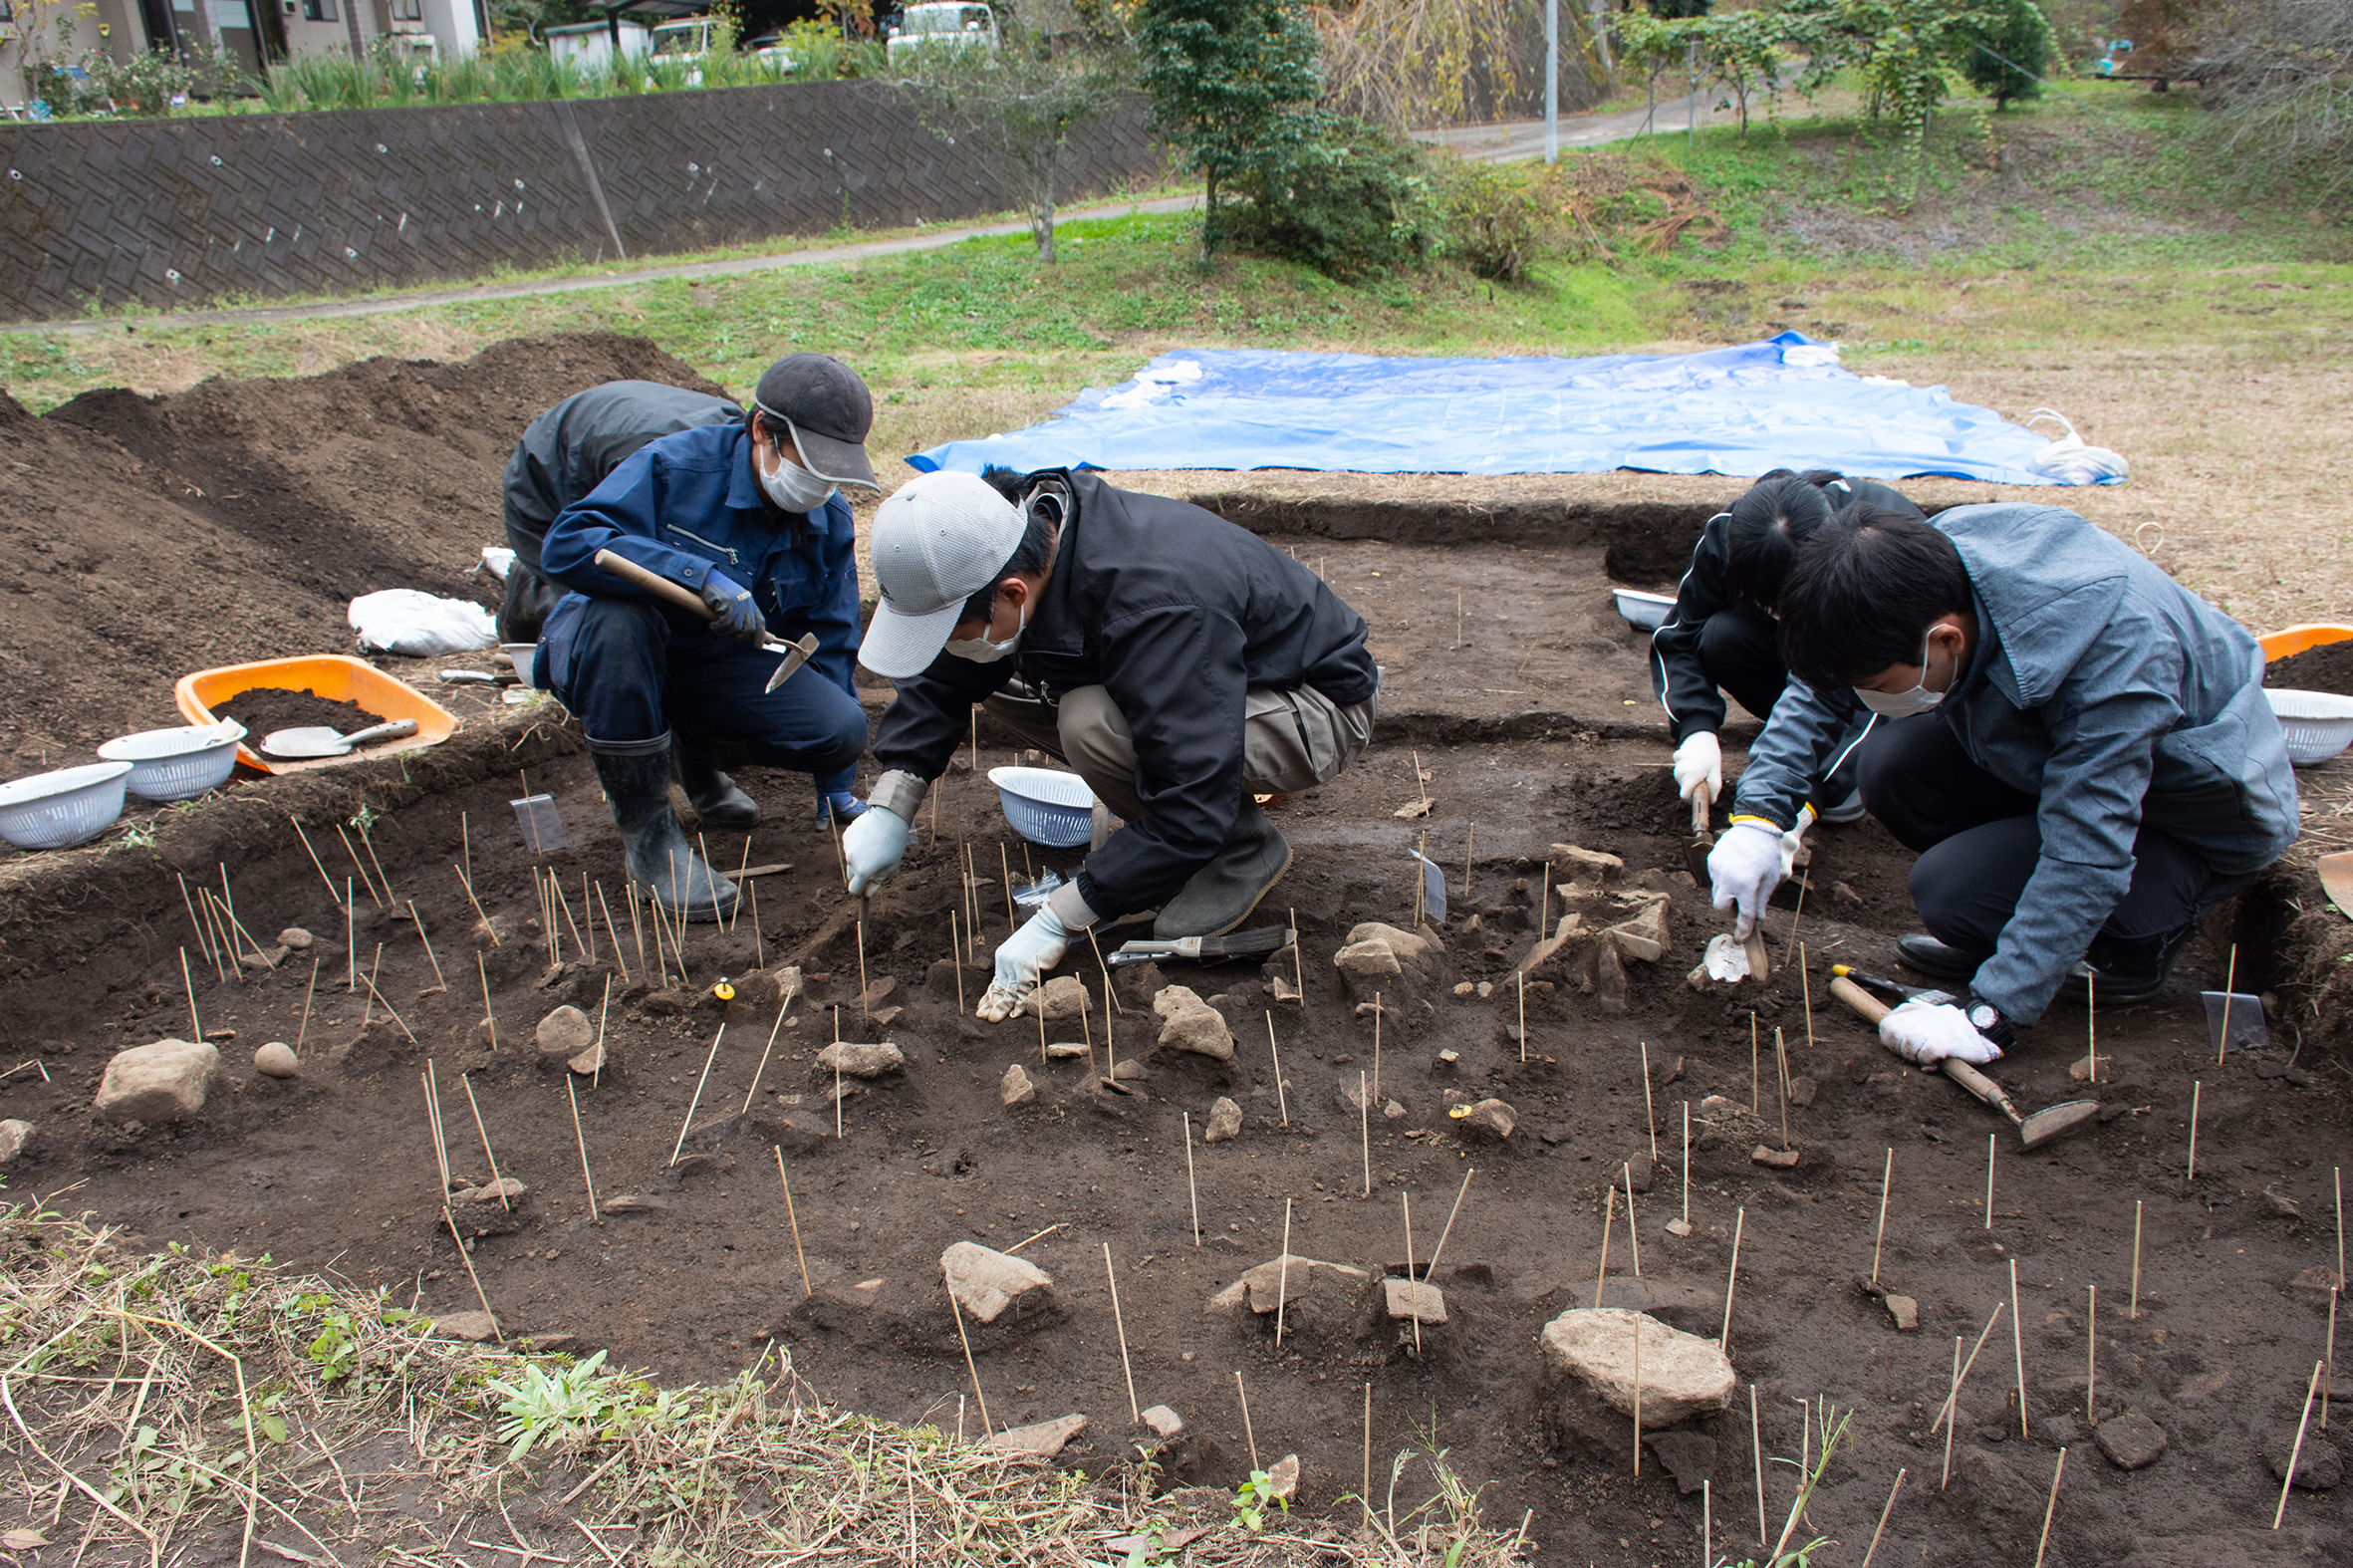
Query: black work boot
pixel 1222 894
pixel 636 779
pixel 719 801
pixel 2128 969
pixel 1940 961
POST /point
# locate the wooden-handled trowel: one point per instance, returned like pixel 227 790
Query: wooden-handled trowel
pixel 795 653
pixel 2033 1130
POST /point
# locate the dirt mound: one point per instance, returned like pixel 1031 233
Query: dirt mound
pixel 234 521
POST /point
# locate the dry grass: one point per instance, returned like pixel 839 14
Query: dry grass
pixel 157 1404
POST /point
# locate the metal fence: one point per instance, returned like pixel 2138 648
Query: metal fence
pixel 186 212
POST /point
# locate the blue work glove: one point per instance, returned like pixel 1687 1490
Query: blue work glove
pixel 872 847
pixel 733 615
pixel 1022 960
pixel 840 805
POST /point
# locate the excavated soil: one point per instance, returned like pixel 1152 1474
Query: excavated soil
pixel 1531 719
pixel 2328 668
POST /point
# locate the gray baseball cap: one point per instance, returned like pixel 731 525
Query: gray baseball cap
pixel 829 411
pixel 938 540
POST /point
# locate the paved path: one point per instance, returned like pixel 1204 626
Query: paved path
pixel 384 304
pixel 1517 141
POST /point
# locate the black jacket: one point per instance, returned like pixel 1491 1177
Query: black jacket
pixel 567 452
pixel 1678 678
pixel 1178 612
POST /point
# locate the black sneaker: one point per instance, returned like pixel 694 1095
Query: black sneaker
pixel 1937 959
pixel 2128 969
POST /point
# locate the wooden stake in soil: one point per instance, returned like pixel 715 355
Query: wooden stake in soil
pixel 313 855
pixel 432 1087
pixel 628 895
pixel 1873 1548
pixel 587 1177
pixel 1650 1119
pixel 488 929
pixel 195 1025
pixel 2337 1177
pixel 1522 978
pixel 489 1013
pixel 468 1258
pixel 605 1010
pixel 2019 1344
pixel 1006 871
pixel 1990 1146
pixel 439 984
pixel 1633 1232
pixel 1951 1397
pixel 1609 1217
pixel 1950 1409
pixel 1753 1097
pixel 1724 1335
pixel 1109 994
pixel 356 866
pixel 1448 1228
pixel 956 955
pixel 612 931
pixel 1135 1411
pixel 2091 1024
pixel 389 900
pixel 1757 1452
pixel 1248 1435
pixel 2049 1508
pixel 1407 1202
pixel 1190 1187
pixel 794 1220
pixel 773 1030
pixel 760 943
pixel 2294 1454
pixel 2189 1172
pixel 1887 1179
pixel 497 1183
pixel 1364 1128
pixel 865 1013
pixel 465 844
pixel 351 941
pixel 2229 984
pixel 837 1075
pixel 305 1027
pixel 1299 973
pixel 1282 1286
pixel 376 996
pixel 978 1397
pixel 1637 1326
pixel 2091 1353
pixel 1365 1491
pixel 1470 852
pixel 1376 1040
pixel 1282 1100
pixel 204 942
pixel 2133 1308
pixel 1781 1064
pixel 710 1057
pixel 2329 1357
pixel 1686 1169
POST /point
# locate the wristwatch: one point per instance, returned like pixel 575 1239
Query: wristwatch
pixel 1987 1020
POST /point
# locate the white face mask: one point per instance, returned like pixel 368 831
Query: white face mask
pixel 1911 701
pixel 792 488
pixel 980 650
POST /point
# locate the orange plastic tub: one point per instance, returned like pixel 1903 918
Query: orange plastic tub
pixel 2293 640
pixel 330 676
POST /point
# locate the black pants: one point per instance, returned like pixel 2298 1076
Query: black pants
pixel 1979 843
pixel 1740 651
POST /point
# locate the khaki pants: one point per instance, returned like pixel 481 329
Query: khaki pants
pixel 1291 740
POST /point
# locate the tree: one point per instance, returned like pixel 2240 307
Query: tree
pixel 2008 58
pixel 1049 78
pixel 1232 83
pixel 2283 68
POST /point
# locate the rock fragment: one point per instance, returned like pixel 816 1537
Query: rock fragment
pixel 474 1327
pixel 2318 1468
pixel 1043 1440
pixel 1682 1375
pixel 294 936
pixel 1410 1299
pixel 988 1283
pixel 1163 1421
pixel 13 1135
pixel 277 1059
pixel 2131 1440
pixel 1644 936
pixel 1572 866
pixel 1226 1121
pixel 1191 1024
pixel 1016 1089
pixel 1488 1119
pixel 860 1059
pixel 1905 1311
pixel 566 1032
pixel 1064 998
pixel 1278 1281
pixel 164 1081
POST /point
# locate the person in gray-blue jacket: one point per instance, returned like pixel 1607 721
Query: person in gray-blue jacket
pixel 748 516
pixel 2078 748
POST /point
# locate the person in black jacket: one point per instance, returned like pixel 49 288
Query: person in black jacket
pixel 563 454
pixel 1179 664
pixel 1722 636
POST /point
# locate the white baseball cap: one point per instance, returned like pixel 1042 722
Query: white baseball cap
pixel 941 539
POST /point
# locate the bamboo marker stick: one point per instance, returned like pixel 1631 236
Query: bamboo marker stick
pixel 1448 1228
pixel 1950 1409
pixel 955 954
pixel 370 843
pixel 604 1010
pixel 978 1397
pixel 490 929
pixel 2091 1354
pixel 195 1025
pixel 2329 1357
pixel 1650 1117
pixel 433 1125
pixel 204 942
pixel 760 942
pixel 837 1075
pixel 1407 1202
pixel 1757 1452
pixel 1135 1411
pixel 2294 1454
pixel 1282 1287
pixel 2019 1344
pixel 489 1013
pixel 417 919
pixel 588 1177
pixel 1469 858
pixel 1366 1488
pixel 2133 1309
pixel 1873 1548
pixel 1886 1179
pixel 1364 1125
pixel 2052 1507
pixel 1781 1067
pixel 1637 1327
pixel 351 941
pixel 1723 1335
pixel 2190 1174
pixel 1189 1186
pixel 2229 984
pixel 1005 869
pixel 1299 973
pixel 1282 1101
pixel 794 1220
pixel 1522 978
pixel 1040 997
pixel 1990 1143
pixel 1110 993
pixel 1633 1232
pixel 313 855
pixel 496 1180
pixel 1686 1165
pixel 1459 643
pixel 611 930
pixel 1248 1435
pixel 1377 1010
pixel 468 1258
pixel 2337 1177
pixel 368 1010
pixel 866 1014
pixel 1805 986
pixel 733 914
pixel 1951 1397
pixel 628 895
pixel 1752 1099
pixel 356 866
pixel 710 1057
pixel 304 1028
pixel 1609 1215
pixel 774 1029
pixel 2091 1023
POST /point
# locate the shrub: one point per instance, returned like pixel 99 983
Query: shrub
pixel 2006 58
pixel 1495 222
pixel 1351 200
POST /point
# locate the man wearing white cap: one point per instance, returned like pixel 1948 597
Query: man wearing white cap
pixel 1179 664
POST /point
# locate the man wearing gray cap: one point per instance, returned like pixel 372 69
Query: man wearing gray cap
pixel 1179 664
pixel 747 516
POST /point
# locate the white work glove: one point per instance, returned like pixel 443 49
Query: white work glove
pixel 1699 765
pixel 1928 1032
pixel 872 847
pixel 1744 868
pixel 1022 960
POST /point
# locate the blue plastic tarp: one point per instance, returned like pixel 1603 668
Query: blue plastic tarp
pixel 1784 402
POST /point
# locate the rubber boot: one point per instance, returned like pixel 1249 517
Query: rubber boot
pixel 719 801
pixel 636 779
pixel 1222 894
pixel 2129 969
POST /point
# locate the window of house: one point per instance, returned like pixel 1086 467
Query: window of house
pixel 319 10
pixel 407 10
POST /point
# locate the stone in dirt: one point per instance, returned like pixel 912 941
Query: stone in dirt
pixel 2318 1469
pixel 1572 866
pixel 664 1004
pixel 1226 1121
pixel 1064 1050
pixel 988 1284
pixel 589 1062
pixel 13 1135
pixel 1411 1298
pixel 860 1059
pixel 876 994
pixel 1016 1089
pixel 1064 998
pixel 1275 1283
pixel 566 1032
pixel 1191 1024
pixel 1608 979
pixel 1905 1311
pixel 1393 1111
pixel 1043 1440
pixel 276 1060
pixel 1163 1421
pixel 474 1327
pixel 160 1082
pixel 505 1187
pixel 1283 1480
pixel 1489 1119
pixel 2131 1440
pixel 1690 1457
pixel 294 936
pixel 1128 1072
pixel 1802 1090
pixel 1679 1226
pixel 1682 1375
pixel 1641 1172
pixel 1282 990
pixel 635 1203
pixel 1644 936
pixel 1781 1158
